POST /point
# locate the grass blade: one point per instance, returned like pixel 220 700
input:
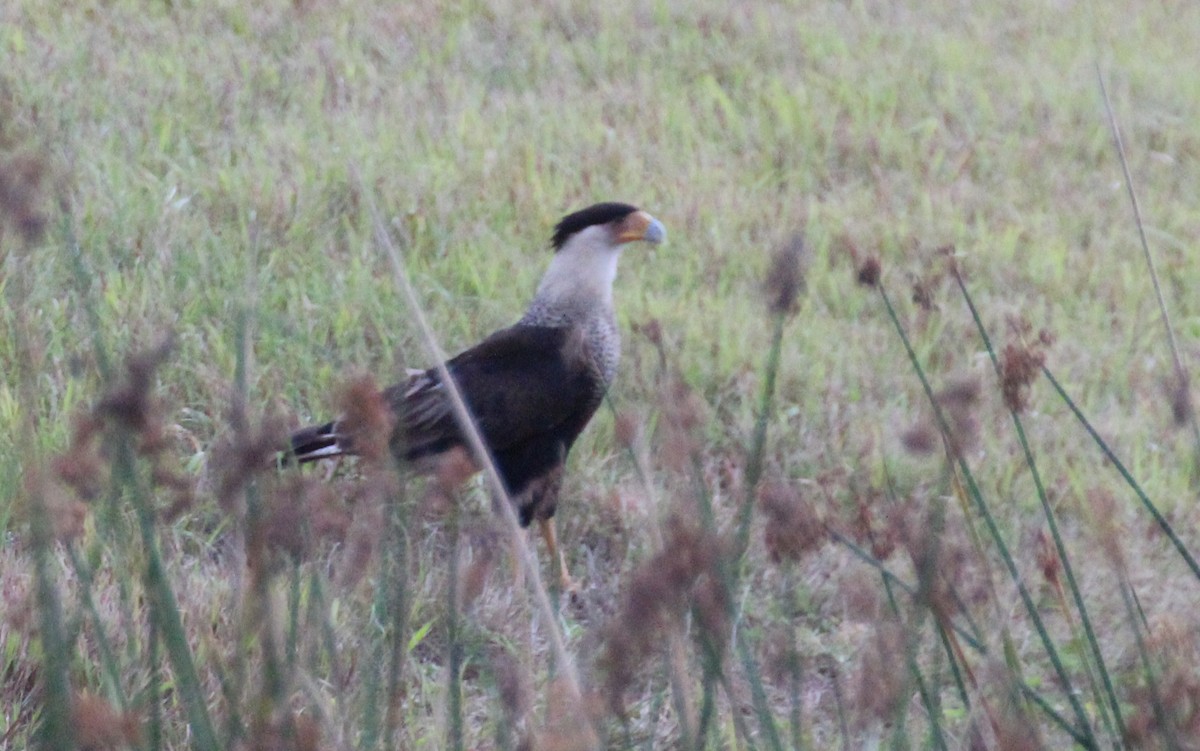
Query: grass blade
pixel 1177 361
pixel 1161 520
pixel 163 606
pixel 562 658
pixel 1109 693
pixel 55 729
pixel 993 529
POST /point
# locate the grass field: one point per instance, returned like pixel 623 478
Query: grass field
pixel 195 182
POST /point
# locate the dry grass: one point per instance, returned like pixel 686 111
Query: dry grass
pixel 787 537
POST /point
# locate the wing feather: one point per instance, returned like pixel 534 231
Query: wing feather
pixel 521 383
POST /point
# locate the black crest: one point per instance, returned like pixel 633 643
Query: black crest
pixel 600 213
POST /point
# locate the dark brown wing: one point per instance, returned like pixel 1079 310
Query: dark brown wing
pixel 531 390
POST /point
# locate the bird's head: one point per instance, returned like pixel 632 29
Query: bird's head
pixel 586 246
pixel 609 224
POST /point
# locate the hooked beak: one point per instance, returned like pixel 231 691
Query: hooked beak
pixel 641 226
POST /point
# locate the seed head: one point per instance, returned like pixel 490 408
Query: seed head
pixel 291 732
pixel 98 725
pixel 568 721
pixel 366 419
pixel 1021 362
pixel 1047 558
pixel 66 513
pixel 514 684
pixel 868 272
pixel 130 402
pixel 793 526
pixel 627 430
pixel 785 280
pixel 882 678
pixel 247 453
pixel 1013 726
pixel 367 529
pixel 1180 397
pixel 1174 646
pixel 657 598
pixel 920 439
pixel 80 466
pixel 1106 523
pixel 959 402
pixel 21 201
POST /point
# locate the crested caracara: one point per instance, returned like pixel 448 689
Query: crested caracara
pixel 531 387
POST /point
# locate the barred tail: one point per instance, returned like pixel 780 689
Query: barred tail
pixel 313 443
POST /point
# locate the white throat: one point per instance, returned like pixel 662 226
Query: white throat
pixel 581 275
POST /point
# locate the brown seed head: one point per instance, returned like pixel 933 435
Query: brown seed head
pixel 65 512
pixel 367 421
pixel 454 468
pixel 568 721
pixel 367 528
pixel 927 547
pixel 1107 526
pixel 862 598
pixel 872 524
pixel 627 430
pixel 1175 697
pixel 1047 558
pixel 681 417
pixel 652 330
pixel 98 726
pixel 180 486
pixel 80 466
pixel 1013 726
pixel 1180 397
pixel 793 526
pixel 920 439
pixel 949 254
pixel 785 279
pixel 21 199
pixel 882 677
pixel 868 272
pixel 959 403
pixel 658 595
pixel 1021 362
pixel 238 458
pixel 288 514
pixel 130 402
pixel 328 512
pixel 292 732
pixel 514 684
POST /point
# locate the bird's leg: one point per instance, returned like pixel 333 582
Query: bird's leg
pixel 550 535
pixel 332 467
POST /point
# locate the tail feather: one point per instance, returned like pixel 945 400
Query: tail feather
pixel 315 442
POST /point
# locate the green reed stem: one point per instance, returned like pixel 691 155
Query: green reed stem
pixel 108 658
pixel 1176 359
pixel 454 690
pixel 398 607
pixel 163 607
pixel 55 730
pixel 994 532
pixel 1161 520
pixel 1165 722
pixel 758 441
pixel 1109 692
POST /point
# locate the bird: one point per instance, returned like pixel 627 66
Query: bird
pixel 531 388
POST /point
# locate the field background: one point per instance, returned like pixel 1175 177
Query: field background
pixel 200 170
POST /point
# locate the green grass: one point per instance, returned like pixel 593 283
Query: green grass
pixel 201 157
